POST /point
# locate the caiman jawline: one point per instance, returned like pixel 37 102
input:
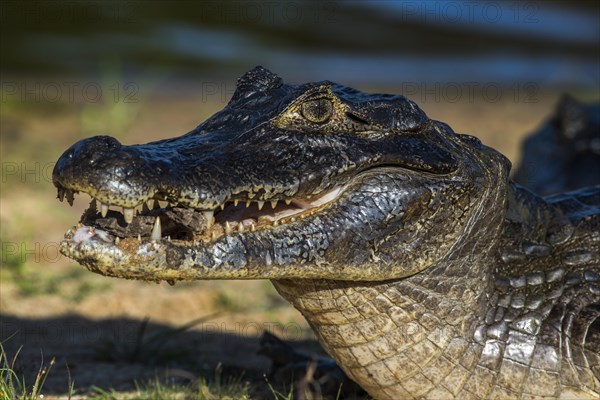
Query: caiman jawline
pixel 232 216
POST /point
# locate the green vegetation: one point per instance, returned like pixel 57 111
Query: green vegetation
pixel 279 395
pixel 219 387
pixel 12 387
pixel 172 391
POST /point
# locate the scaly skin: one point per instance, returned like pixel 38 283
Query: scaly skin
pixel 424 271
pixel 560 155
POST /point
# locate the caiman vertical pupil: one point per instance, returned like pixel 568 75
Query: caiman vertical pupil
pixel 318 111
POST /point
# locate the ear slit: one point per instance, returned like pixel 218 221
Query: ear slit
pixel 356 118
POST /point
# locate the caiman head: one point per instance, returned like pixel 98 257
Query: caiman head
pixel 287 181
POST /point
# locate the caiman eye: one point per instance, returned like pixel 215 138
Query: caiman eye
pixel 318 111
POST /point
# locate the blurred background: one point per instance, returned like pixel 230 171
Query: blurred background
pixel 142 71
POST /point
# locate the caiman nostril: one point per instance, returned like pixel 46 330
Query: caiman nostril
pixel 99 143
pixel 110 142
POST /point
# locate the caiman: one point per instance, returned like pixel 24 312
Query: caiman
pixel 564 154
pixel 423 269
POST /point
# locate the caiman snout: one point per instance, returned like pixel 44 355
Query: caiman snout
pixel 87 152
pixel 103 168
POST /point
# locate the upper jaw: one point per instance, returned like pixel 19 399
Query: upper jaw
pixel 214 204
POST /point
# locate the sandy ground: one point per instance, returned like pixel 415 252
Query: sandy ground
pixel 50 307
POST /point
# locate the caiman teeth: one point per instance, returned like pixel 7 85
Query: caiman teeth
pixel 228 218
pixel 210 218
pixel 103 209
pixel 128 214
pixel 70 196
pixel 156 230
pixel 61 194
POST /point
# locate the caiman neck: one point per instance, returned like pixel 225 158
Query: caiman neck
pixel 435 332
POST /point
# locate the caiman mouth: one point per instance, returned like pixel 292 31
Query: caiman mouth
pixel 155 219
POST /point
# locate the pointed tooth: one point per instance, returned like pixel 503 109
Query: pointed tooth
pixel 213 235
pixel 273 204
pixel 252 228
pixel 260 204
pixel 276 222
pixel 70 196
pixel 227 228
pixel 139 237
pixel 248 202
pixel 288 201
pixel 128 214
pixel 156 231
pixel 61 194
pixel 155 205
pixel 163 204
pixel 117 240
pixel 145 208
pixel 222 206
pixel 240 227
pixel 210 218
pixel 235 202
pixel 104 210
